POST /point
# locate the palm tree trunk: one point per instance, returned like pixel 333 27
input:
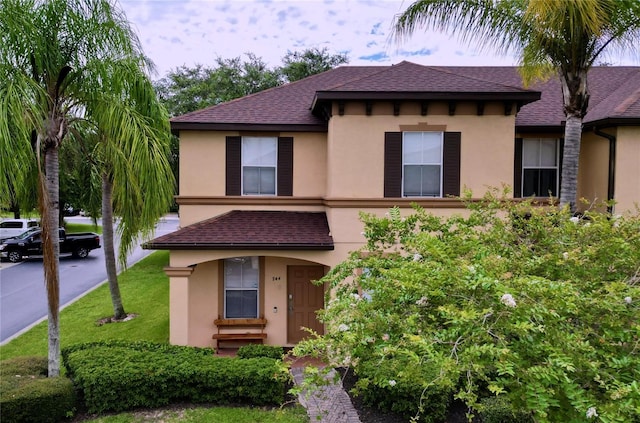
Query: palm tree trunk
pixel 570 160
pixel 49 211
pixel 109 250
pixel 575 100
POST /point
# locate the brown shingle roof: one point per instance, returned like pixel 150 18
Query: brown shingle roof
pixel 250 229
pixel 614 95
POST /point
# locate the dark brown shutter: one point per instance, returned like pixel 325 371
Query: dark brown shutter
pixel 517 169
pixel 451 164
pixel 233 166
pixel 393 164
pixel 560 157
pixel 285 166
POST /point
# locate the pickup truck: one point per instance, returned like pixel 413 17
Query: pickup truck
pixel 14 227
pixel 29 243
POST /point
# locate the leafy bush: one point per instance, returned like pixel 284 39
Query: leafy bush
pixel 498 410
pixel 27 395
pixel 511 299
pixel 116 376
pixel 259 350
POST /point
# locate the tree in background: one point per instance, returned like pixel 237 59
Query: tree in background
pixel 561 37
pixel 63 63
pixel 187 89
pixel 299 65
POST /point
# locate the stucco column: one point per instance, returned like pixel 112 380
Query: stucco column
pixel 178 304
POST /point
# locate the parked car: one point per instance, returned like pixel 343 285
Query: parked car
pixel 14 227
pixel 30 244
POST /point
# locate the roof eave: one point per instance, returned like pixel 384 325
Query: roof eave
pixel 272 127
pixel 236 246
pixel 612 121
pixel 524 97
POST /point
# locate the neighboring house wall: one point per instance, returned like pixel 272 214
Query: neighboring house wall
pixel 593 171
pixel 627 189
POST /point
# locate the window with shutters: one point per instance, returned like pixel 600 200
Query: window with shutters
pixel 422 164
pixel 241 287
pixel 259 165
pixel 540 169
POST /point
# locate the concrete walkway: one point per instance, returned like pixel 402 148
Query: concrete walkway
pixel 327 404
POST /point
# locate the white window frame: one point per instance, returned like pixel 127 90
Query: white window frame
pixel 244 164
pixel 440 164
pixel 255 262
pixel 540 167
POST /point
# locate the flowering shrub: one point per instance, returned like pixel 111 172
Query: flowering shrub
pixel 522 302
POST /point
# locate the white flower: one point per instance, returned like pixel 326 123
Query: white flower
pixel 591 412
pixel 343 327
pixel 423 302
pixel 385 337
pixel 575 219
pixel 417 257
pixel 472 269
pixel 355 296
pixel 565 256
pixel 627 300
pixel 507 299
pixel 392 382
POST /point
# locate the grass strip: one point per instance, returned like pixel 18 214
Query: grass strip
pixel 145 292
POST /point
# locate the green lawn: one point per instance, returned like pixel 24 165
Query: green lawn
pixel 145 292
pixel 215 414
pixel 82 227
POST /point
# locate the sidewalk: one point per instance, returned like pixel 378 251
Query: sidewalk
pixel 328 404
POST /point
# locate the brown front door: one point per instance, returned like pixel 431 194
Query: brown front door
pixel 304 298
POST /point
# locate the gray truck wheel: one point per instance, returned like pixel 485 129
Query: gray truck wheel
pixel 81 252
pixel 15 256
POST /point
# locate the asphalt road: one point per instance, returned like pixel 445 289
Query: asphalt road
pixel 23 299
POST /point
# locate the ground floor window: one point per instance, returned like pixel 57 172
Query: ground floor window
pixel 241 287
pixel 540 167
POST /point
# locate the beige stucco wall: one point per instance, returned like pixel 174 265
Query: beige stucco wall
pixel 356 147
pixel 194 302
pixel 202 162
pixel 627 185
pixel 593 170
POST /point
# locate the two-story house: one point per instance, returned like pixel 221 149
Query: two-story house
pixel 271 185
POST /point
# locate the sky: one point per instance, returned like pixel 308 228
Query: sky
pixel 177 33
pixel 189 32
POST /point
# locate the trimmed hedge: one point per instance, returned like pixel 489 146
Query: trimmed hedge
pixel 27 395
pixel 118 376
pixel 258 350
pixel 499 410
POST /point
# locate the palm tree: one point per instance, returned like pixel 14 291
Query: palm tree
pixel 62 64
pixel 562 36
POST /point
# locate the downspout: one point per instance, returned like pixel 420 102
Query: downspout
pixel 612 165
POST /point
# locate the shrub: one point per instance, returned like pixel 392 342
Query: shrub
pixel 526 302
pixel 27 395
pixel 498 410
pixel 259 350
pixel 116 376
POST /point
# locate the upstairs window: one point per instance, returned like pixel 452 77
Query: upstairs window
pixel 259 165
pixel 540 167
pixel 422 164
pixel 430 166
pixel 241 286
